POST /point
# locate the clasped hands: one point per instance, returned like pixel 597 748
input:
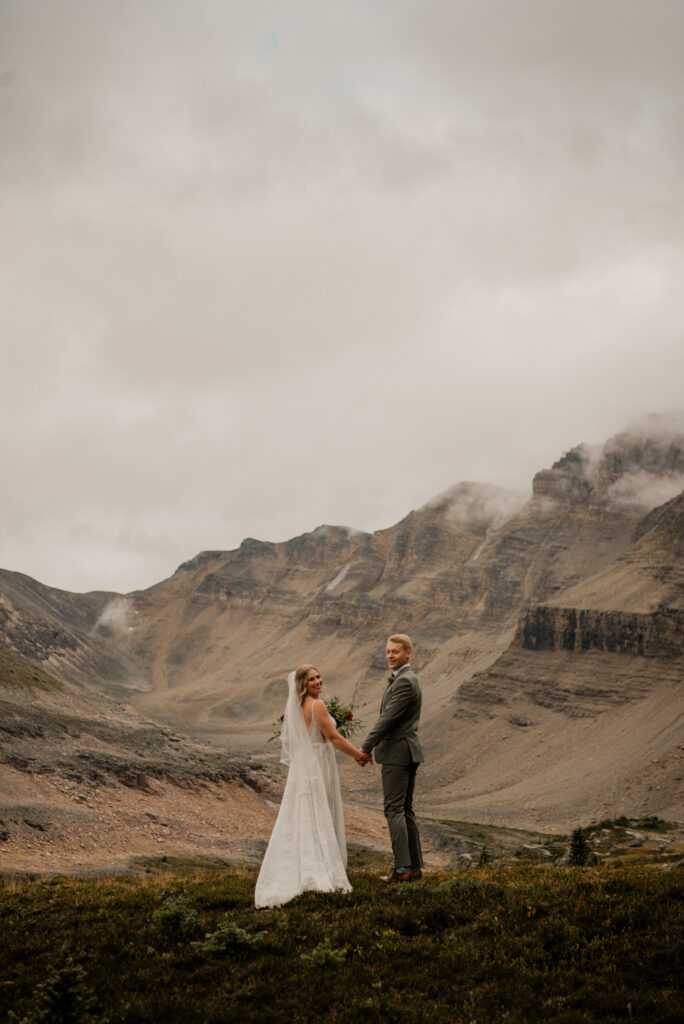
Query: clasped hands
pixel 364 759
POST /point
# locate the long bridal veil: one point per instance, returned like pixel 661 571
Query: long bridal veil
pixel 307 850
pixel 295 745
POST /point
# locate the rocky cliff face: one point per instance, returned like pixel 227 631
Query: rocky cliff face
pixel 494 588
pixel 656 635
pixel 583 709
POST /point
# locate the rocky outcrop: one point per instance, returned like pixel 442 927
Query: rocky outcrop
pixel 200 561
pixel 568 479
pixel 640 467
pixel 35 639
pixel 658 634
pixel 215 587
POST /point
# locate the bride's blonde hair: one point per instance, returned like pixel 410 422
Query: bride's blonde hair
pixel 301 676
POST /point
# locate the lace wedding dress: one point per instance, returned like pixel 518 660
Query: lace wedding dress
pixel 307 849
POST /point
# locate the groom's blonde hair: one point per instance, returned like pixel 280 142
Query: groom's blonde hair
pixel 301 676
pixel 401 638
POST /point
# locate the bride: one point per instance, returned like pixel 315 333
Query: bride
pixel 307 849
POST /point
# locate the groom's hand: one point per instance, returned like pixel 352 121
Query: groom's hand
pixel 364 759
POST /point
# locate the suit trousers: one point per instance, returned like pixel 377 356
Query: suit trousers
pixel 398 781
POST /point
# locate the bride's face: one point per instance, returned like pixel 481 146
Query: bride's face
pixel 314 683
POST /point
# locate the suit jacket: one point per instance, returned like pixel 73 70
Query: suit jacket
pixel 394 737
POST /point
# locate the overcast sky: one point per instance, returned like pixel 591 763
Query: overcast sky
pixel 268 265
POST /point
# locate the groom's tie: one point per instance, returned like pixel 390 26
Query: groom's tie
pixel 390 678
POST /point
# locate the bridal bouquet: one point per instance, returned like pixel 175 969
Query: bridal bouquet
pixel 342 714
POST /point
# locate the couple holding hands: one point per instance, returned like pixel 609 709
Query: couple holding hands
pixel 308 849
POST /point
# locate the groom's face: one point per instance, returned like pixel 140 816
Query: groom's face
pixel 396 655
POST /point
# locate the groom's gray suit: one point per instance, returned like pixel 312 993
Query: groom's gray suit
pixel 394 742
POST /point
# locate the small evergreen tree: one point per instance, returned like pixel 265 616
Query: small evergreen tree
pixel 63 998
pixel 579 849
pixel 175 919
pixel 484 858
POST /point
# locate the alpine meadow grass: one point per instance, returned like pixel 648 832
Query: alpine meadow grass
pixel 572 944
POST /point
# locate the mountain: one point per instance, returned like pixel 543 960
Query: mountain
pixel 582 714
pixel 547 630
pixel 84 782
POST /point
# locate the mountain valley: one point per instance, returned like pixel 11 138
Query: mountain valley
pixel 548 635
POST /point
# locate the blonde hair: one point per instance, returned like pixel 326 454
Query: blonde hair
pixel 301 676
pixel 401 638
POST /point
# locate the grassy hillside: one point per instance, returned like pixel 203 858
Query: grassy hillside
pixel 485 945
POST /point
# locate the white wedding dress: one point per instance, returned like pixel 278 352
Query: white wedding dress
pixel 307 850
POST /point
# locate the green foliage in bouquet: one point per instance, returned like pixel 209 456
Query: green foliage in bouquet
pixel 342 714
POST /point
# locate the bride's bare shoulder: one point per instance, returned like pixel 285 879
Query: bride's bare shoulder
pixel 320 710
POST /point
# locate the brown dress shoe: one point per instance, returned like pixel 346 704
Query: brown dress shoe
pixel 397 876
pixel 416 873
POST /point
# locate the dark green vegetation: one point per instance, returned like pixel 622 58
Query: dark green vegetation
pixel 614 841
pixel 579 849
pixel 527 944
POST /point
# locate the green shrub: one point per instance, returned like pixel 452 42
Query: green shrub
pixel 324 955
pixel 175 919
pixel 621 822
pixel 62 998
pixel 652 823
pixel 229 940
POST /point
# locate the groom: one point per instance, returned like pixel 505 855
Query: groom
pixel 394 742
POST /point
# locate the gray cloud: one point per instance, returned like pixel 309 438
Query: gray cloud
pixel 645 490
pixel 467 502
pixel 116 617
pixel 267 268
